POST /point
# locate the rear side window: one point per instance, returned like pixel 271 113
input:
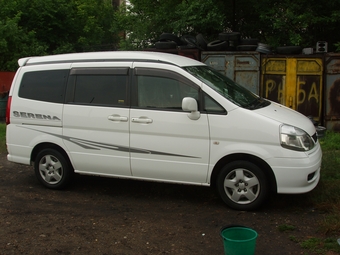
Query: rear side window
pixel 46 86
pixel 102 87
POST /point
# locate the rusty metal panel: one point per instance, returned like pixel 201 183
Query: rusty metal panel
pixel 273 82
pixel 295 82
pixel 6 79
pixel 309 87
pixel 332 92
pixel 241 67
pixel 308 95
pixel 216 61
pixel 273 87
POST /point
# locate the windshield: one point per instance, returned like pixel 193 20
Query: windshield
pixel 227 87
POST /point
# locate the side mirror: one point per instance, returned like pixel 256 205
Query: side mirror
pixel 189 104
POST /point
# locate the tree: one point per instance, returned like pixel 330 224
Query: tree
pixel 145 20
pixel 276 22
pixel 42 27
pixel 299 22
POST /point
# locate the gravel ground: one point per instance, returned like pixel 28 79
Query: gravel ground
pixel 111 216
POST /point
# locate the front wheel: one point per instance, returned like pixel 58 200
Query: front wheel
pixel 52 169
pixel 242 185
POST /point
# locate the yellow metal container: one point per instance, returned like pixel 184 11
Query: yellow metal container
pixel 295 82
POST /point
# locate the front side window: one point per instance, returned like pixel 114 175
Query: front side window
pixel 48 86
pixel 163 92
pixel 212 107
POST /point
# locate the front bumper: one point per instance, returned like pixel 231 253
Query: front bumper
pixel 297 175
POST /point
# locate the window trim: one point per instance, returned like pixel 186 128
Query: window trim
pixel 213 113
pixel 99 71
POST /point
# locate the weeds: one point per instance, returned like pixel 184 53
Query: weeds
pixel 326 198
pixel 321 246
pixel 285 227
pixel 3 148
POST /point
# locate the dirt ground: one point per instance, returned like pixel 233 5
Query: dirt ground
pixel 113 216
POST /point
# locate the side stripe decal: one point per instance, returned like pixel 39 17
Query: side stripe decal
pixel 92 145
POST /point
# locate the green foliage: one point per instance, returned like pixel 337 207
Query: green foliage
pixel 337 47
pixel 15 42
pixel 276 22
pixel 144 21
pixel 42 27
pixel 303 23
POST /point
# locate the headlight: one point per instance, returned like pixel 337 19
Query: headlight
pixel 294 138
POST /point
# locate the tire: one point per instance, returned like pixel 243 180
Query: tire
pixel 249 41
pixel 246 47
pixel 289 50
pixel 218 45
pixel 165 45
pixel 189 40
pixel 201 42
pixel 187 47
pixel 233 36
pixel 242 185
pixel 170 37
pixel 52 169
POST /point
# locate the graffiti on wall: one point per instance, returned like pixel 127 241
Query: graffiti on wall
pixel 304 96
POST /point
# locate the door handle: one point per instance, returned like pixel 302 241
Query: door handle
pixel 117 118
pixel 143 120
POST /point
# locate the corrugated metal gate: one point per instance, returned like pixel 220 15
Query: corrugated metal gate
pixel 295 82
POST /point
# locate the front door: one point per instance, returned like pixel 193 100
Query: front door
pixel 164 143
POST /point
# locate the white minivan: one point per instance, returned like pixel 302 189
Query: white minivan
pixel 158 117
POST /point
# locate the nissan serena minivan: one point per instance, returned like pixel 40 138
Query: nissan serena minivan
pixel 157 117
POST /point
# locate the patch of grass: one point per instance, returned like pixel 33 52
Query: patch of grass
pixel 3 148
pixel 294 239
pixel 331 141
pixel 321 246
pixel 285 227
pixel 326 198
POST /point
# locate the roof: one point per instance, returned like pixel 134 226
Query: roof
pixel 147 56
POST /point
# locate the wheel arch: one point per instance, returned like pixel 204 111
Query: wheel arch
pixel 42 146
pixel 246 157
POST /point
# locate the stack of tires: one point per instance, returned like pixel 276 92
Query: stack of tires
pixel 227 41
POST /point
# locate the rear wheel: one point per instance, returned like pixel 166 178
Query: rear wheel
pixel 52 169
pixel 242 185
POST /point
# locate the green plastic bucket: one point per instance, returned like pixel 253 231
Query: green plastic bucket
pixel 239 240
